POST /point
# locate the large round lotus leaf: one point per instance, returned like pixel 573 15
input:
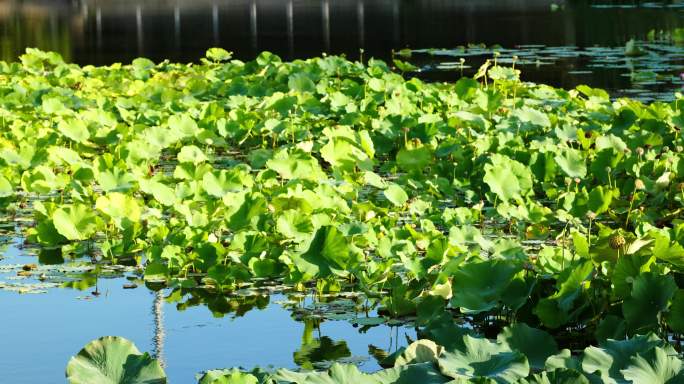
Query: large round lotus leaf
pixel 420 351
pixel 483 359
pixel 479 286
pixel 414 157
pixel 123 209
pixel 657 366
pixel 191 154
pixel 113 360
pixel 75 222
pixel 651 293
pixel 534 343
pixel 233 376
pixel 507 178
pixel 571 162
pixel 614 355
pixel 327 251
pixel 558 376
pixel 396 195
pixel 74 129
pixel 424 373
pixel 675 317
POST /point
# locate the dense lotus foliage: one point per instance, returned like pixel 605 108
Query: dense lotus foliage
pixel 472 208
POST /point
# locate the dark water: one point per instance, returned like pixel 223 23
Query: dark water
pixel 108 31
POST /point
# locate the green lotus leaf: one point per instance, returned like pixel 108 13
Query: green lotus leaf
pixel 611 327
pixel 563 360
pixel 483 359
pixel 530 115
pixel 507 178
pixel 327 253
pixel 554 310
pixel 651 294
pixel 164 194
pixel 600 199
pixel 348 373
pixel 217 55
pixel 293 224
pixel 663 249
pixel 396 195
pixel 572 162
pixel 657 366
pixel 6 188
pixel 348 150
pixel 675 317
pixel 113 360
pixel 559 376
pixel 535 344
pixel 420 351
pixel 115 179
pixel 301 82
pixel 415 157
pixel 75 221
pixel 191 154
pixel 295 164
pixel 219 183
pixel 479 286
pixel 626 270
pixel 75 129
pixel 184 125
pixel 251 206
pixel 123 209
pixel 233 376
pixel 614 355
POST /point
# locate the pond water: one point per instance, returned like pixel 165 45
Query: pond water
pixel 562 43
pixel 577 41
pixel 42 325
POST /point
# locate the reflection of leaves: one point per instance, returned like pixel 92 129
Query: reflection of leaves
pixel 318 350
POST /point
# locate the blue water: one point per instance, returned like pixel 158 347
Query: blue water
pixel 40 332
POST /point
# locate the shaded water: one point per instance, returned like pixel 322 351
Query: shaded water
pixel 106 31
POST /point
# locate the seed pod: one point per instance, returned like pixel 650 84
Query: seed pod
pixel 639 185
pixel 640 151
pixel 617 241
pixel 591 215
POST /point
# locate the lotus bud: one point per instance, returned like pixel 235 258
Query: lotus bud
pixel 609 169
pixel 591 215
pixel 577 180
pixel 639 185
pixel 568 181
pixel 617 241
pixel 666 149
pixel 640 151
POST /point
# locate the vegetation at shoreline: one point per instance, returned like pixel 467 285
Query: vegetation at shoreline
pixel 486 212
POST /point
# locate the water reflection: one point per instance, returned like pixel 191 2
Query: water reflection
pixel 106 31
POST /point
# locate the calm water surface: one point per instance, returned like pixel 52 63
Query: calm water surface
pixel 108 31
pixel 41 330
